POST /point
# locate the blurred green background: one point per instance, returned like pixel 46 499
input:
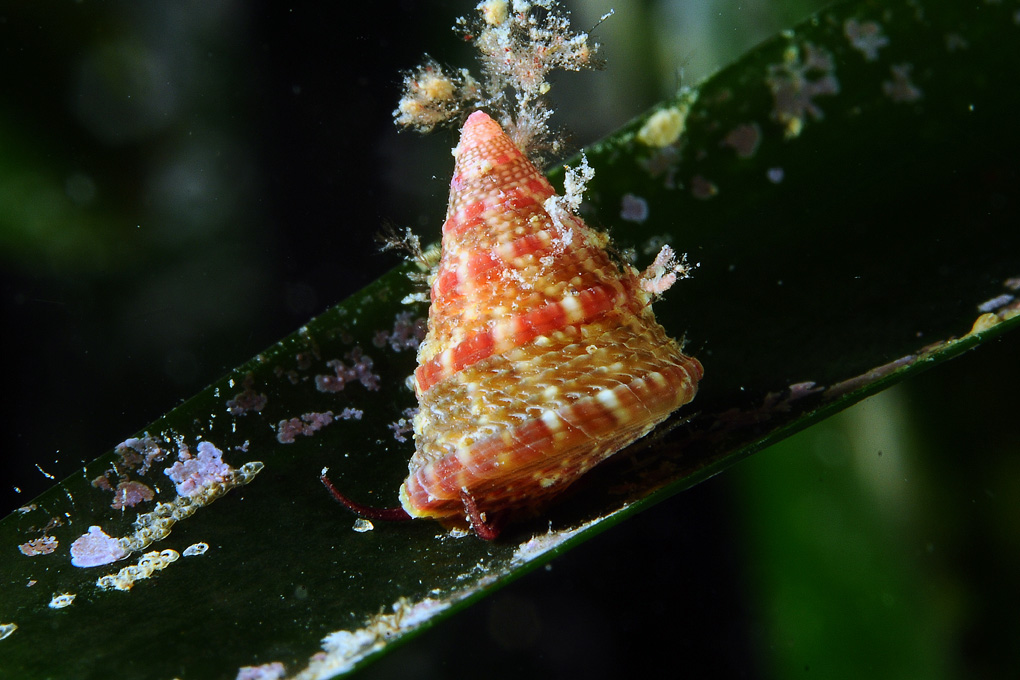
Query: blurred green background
pixel 183 183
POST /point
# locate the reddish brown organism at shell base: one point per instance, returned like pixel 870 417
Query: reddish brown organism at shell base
pixel 542 358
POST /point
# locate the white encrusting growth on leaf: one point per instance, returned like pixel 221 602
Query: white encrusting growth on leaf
pixel 62 600
pixel 519 43
pixel 343 649
pixel 156 525
pixel 196 549
pixel 148 564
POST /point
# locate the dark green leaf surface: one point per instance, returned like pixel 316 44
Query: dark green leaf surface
pixel 846 248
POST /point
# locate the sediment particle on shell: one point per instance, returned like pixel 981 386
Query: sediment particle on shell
pixel 543 356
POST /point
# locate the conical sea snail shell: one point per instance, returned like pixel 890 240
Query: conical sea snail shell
pixel 542 358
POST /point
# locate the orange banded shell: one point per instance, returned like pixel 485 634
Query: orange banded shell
pixel 542 358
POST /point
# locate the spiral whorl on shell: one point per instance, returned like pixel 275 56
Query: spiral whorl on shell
pixel 542 357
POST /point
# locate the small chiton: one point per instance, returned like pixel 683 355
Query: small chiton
pixel 542 357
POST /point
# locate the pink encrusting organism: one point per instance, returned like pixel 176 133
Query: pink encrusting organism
pixel 542 356
pixel 192 475
pixel 96 548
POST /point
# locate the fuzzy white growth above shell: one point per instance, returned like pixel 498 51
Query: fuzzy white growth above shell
pixel 518 45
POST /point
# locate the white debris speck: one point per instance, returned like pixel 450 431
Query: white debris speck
pixel 995 303
pixel 61 601
pixel 195 549
pixel 361 525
